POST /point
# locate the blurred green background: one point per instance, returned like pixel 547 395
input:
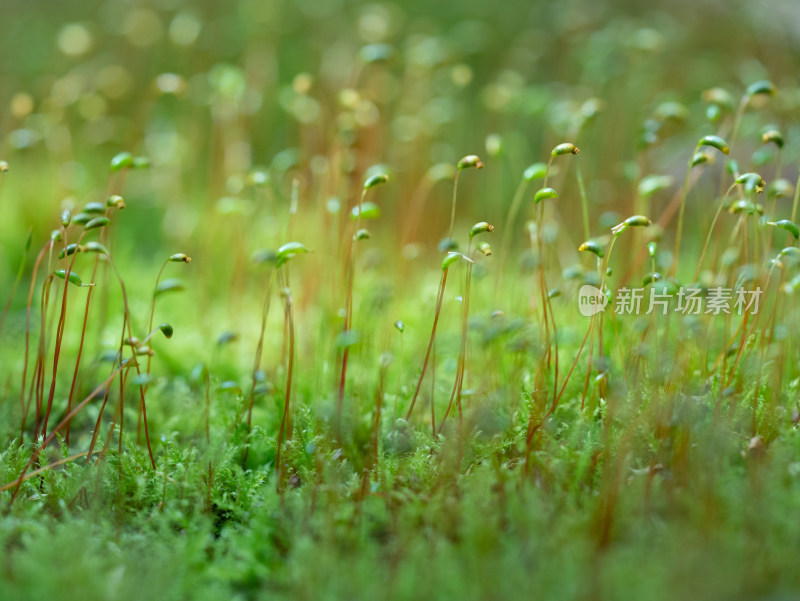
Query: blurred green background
pixel 80 81
pixel 233 102
pixel 215 92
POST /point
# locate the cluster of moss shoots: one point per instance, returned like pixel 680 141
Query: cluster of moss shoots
pixel 758 251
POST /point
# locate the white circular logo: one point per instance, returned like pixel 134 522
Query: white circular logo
pixel 591 300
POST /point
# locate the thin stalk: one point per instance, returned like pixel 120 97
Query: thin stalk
pixel 26 406
pixel 591 343
pixel 574 363
pixel 546 305
pixel 453 208
pixel 41 358
pixel 80 346
pixel 290 371
pixel 509 227
pixel 376 425
pixel 584 202
pixel 418 200
pixel 737 119
pixel 20 271
pixel 588 369
pixel 153 309
pixel 552 341
pixel 602 291
pixel 433 391
pixel 439 297
pixel 678 234
pixel 164 490
pixel 348 319
pixel 96 431
pixel 36 395
pixel 796 198
pixel 142 404
pixel 768 243
pixel 710 232
pixel 207 387
pixel 259 350
pixel 60 328
pixel 455 395
pixel 125 324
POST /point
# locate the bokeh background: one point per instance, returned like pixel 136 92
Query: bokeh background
pixel 224 97
pixel 246 107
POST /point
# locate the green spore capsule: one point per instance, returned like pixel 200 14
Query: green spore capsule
pixel 715 142
pixel 469 161
pixel 764 86
pixel 565 148
pixel 97 222
pixel 544 193
pixel 591 246
pixel 123 160
pixel 789 226
pixel 376 180
pixel 480 228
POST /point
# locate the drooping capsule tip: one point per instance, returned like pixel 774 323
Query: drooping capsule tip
pixel 761 87
pixel 471 160
pixel 565 148
pixel 593 247
pixel 715 142
pixel 123 160
pixel 375 180
pixel 480 228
